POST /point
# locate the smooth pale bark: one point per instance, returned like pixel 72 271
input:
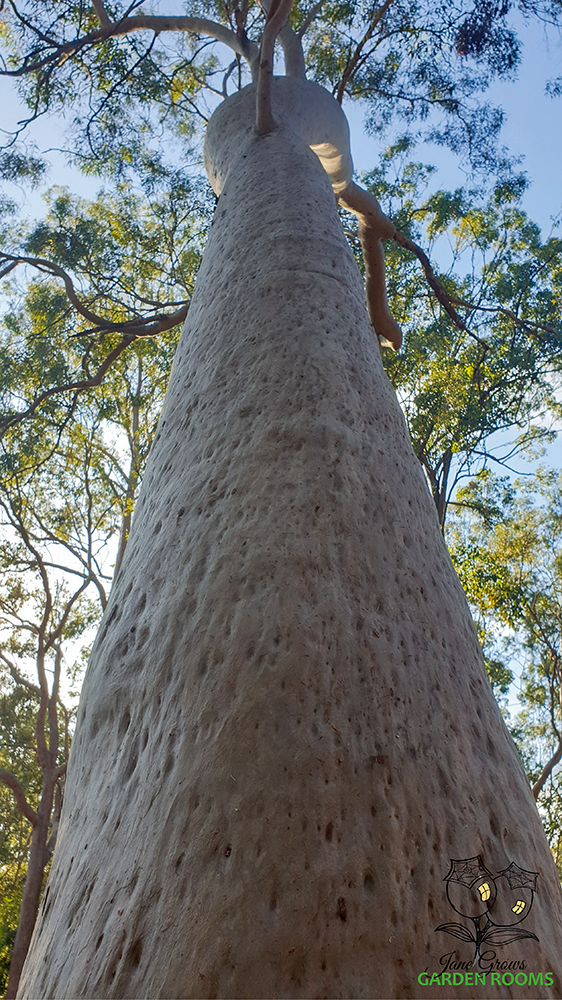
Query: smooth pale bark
pixel 286 730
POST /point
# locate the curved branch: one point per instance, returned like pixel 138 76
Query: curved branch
pixel 313 12
pixel 10 780
pixel 141 22
pixel 134 330
pixel 374 226
pixel 278 14
pixel 432 280
pixel 46 265
pixel 547 769
pixel 139 327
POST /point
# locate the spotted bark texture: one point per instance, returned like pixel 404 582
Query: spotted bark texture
pixel 286 731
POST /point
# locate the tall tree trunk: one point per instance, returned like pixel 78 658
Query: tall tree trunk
pixel 286 730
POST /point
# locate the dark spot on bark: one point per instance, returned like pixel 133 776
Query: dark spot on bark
pixel 273 902
pixel 181 512
pixel 124 723
pixel 158 528
pixel 368 882
pixel 99 941
pixel 135 952
pixel 179 860
pixel 227 851
pixel 131 763
pixel 329 831
pixel 342 909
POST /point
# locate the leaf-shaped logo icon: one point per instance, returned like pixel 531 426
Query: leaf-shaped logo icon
pixel 505 935
pixel 457 930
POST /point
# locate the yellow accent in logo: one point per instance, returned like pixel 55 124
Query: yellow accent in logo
pixel 519 906
pixel 485 891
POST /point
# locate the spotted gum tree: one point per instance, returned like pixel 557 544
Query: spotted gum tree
pixel 286 731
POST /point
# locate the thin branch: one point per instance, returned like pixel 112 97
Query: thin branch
pixel 442 296
pixel 18 677
pixel 547 769
pixel 310 17
pixel 9 779
pixel 352 64
pixel 135 330
pixel 46 265
pixel 528 325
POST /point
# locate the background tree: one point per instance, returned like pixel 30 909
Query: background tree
pixel 69 482
pixel 507 551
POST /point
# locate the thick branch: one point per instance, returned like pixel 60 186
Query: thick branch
pixel 9 779
pixel 374 226
pixel 278 14
pixel 101 12
pixel 291 44
pixel 293 52
pixel 141 22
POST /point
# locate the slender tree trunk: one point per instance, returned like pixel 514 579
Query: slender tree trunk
pixel 38 857
pixel 133 477
pixel 286 730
